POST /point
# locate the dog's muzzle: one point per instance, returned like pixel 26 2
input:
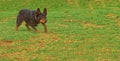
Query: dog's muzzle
pixel 43 21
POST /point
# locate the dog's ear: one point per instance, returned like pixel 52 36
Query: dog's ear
pixel 38 11
pixel 45 11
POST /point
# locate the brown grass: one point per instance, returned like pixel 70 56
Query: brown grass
pixel 75 2
pixel 111 15
pixel 69 1
pixel 115 18
pixel 63 25
pixel 87 24
pixel 70 20
pixel 6 43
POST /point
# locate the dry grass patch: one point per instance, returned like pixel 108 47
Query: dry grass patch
pixel 69 1
pixel 6 43
pixel 112 15
pixel 63 25
pixel 70 20
pixel 88 24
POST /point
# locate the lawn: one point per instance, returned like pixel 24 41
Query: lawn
pixel 77 31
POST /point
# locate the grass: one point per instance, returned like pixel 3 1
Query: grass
pixel 83 33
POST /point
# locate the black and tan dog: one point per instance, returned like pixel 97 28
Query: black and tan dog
pixel 32 18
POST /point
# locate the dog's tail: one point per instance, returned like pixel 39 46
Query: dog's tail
pixel 19 21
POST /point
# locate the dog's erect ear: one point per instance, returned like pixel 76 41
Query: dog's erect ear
pixel 38 11
pixel 45 11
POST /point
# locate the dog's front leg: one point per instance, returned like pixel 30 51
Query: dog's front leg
pixel 27 26
pixel 35 29
pixel 45 27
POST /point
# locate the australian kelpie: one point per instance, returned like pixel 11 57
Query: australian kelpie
pixel 32 18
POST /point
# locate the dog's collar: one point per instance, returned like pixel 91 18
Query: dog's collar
pixel 36 20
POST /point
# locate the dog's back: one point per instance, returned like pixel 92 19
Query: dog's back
pixel 28 16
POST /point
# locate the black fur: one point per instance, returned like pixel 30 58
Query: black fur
pixel 32 18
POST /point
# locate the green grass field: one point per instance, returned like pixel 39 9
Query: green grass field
pixel 77 31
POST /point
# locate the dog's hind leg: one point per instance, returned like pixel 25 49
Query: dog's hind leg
pixel 19 21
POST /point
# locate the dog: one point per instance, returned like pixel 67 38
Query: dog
pixel 32 18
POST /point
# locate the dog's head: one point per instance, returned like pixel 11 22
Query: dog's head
pixel 41 17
